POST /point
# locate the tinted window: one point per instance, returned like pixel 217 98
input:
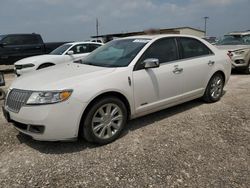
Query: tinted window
pixel 193 48
pixel 165 50
pixel 20 40
pixel 92 47
pixel 30 39
pixel 80 49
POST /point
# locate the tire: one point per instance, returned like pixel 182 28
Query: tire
pixel 2 94
pixel 104 121
pixel 247 70
pixel 214 90
pixel 45 65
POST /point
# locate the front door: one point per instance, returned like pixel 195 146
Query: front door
pixel 157 87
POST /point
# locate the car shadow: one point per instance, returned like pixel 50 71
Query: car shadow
pixel 81 144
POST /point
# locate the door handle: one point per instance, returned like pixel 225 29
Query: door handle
pixel 17 48
pixel 177 70
pixel 211 63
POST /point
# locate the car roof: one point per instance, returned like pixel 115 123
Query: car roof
pixel 158 36
pixel 75 43
pixel 240 33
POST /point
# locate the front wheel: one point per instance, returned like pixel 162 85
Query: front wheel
pixel 214 90
pixel 247 70
pixel 2 94
pixel 105 121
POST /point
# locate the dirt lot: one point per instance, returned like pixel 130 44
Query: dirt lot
pixel 191 145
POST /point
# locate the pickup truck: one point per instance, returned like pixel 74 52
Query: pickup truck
pixel 14 47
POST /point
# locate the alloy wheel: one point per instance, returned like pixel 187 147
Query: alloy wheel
pixel 216 87
pixel 107 121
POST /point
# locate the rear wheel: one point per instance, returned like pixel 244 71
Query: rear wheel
pixel 105 120
pixel 214 88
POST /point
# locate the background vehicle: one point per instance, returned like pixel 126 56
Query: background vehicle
pixel 211 40
pixel 14 47
pixel 64 53
pixel 2 83
pixel 238 45
pixel 124 79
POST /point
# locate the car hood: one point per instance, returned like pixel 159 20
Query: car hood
pixel 64 76
pixel 232 47
pixel 34 59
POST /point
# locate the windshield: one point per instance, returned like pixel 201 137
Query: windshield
pixel 235 40
pixel 60 50
pixel 117 53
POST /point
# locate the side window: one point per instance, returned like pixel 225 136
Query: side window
pixel 165 50
pixel 13 40
pixel 193 48
pixel 80 49
pixel 92 47
pixel 20 40
pixel 30 40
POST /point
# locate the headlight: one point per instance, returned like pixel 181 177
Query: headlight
pixel 240 52
pixel 24 66
pixel 48 97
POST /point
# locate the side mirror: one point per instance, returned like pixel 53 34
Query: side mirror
pixel 1 45
pixel 2 82
pixel 70 52
pixel 151 63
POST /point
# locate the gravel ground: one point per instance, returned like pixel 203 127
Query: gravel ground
pixel 191 145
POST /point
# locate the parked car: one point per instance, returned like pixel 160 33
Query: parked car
pixel 238 46
pixel 64 53
pixel 211 40
pixel 122 80
pixel 2 83
pixel 14 47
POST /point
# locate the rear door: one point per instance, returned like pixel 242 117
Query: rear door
pixel 197 62
pixel 157 87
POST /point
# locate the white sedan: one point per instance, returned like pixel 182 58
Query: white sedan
pixel 65 53
pixel 124 79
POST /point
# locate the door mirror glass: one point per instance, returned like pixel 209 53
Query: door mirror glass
pixel 2 82
pixel 151 63
pixel 70 52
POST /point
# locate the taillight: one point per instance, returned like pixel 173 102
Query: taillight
pixel 230 54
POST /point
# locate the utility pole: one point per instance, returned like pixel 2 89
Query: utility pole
pixel 206 18
pixel 97 27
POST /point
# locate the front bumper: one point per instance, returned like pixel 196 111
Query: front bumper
pixel 20 72
pixel 55 122
pixel 239 62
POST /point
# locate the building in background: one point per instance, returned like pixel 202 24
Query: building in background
pixel 178 30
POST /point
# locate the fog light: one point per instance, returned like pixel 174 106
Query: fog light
pixel 240 61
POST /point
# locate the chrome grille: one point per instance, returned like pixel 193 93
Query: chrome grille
pixel 16 99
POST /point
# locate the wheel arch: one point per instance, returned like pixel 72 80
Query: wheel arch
pixel 117 94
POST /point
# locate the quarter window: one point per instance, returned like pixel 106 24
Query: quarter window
pixel 193 48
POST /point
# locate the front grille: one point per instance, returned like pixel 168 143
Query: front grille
pixel 16 99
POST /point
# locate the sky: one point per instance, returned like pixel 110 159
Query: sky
pixel 74 20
